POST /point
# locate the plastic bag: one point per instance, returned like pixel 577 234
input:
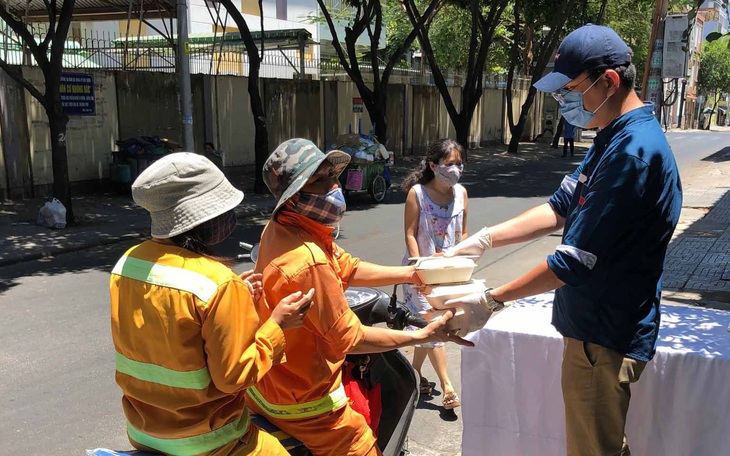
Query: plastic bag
pixel 52 215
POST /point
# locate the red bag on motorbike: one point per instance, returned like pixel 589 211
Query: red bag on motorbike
pixel 364 396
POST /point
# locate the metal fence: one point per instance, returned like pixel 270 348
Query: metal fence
pixel 213 56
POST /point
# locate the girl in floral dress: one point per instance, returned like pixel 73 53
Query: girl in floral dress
pixel 435 219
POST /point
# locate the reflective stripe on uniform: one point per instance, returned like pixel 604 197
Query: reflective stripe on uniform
pixel 197 444
pixel 333 401
pixel 166 276
pixel 197 379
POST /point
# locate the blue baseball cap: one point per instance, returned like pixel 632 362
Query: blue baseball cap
pixel 591 47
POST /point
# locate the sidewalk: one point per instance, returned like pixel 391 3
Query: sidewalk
pixel 102 219
pixel 697 266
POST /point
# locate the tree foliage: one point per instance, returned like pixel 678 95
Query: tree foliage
pixel 369 20
pixel 714 74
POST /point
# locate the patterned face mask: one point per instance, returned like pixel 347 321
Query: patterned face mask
pixel 218 229
pixel 448 174
pixel 326 209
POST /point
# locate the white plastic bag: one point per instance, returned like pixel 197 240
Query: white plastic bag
pixel 52 215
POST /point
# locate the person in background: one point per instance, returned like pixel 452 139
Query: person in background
pixel 305 397
pixel 212 154
pixel 618 211
pixel 568 138
pixel 188 339
pixel 435 219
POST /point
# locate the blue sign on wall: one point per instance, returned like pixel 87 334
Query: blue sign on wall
pixel 77 94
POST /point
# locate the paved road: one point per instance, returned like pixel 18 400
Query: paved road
pixel 57 392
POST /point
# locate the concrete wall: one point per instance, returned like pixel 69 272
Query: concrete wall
pixel 16 177
pixel 490 107
pixel 90 139
pixel 347 120
pixel 233 124
pixel 396 113
pixel 293 110
pixel 134 104
pixel 148 105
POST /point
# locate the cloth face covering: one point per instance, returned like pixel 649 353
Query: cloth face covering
pixel 326 209
pixel 218 229
pixel 449 175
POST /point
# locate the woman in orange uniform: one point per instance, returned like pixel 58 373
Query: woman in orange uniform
pixel 305 397
pixel 187 336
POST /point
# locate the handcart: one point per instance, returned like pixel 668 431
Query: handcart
pixel 368 170
pixel 372 177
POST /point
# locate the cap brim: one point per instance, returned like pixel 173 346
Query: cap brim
pixel 339 160
pixel 552 82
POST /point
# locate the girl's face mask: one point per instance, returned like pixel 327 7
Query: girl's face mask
pixel 448 174
pixel 327 209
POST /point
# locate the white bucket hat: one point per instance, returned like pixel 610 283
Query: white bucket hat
pixel 181 191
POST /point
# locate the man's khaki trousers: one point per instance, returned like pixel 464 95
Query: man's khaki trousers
pixel 596 390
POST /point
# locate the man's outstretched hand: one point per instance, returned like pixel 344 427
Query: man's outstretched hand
pixel 475 244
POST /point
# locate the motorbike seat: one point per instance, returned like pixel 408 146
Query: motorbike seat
pixel 285 439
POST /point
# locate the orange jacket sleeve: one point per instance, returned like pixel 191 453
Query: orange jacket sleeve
pixel 238 351
pixel 347 265
pixel 330 316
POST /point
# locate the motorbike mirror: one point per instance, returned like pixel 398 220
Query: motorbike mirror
pixel 255 253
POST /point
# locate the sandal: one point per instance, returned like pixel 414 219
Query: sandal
pixel 425 386
pixel 451 401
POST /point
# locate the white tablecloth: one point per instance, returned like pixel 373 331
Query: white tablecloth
pixel 513 406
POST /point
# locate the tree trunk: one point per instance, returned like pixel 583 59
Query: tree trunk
pixel 261 137
pixel 374 102
pixel 380 120
pixel 461 125
pixel 519 128
pixel 59 158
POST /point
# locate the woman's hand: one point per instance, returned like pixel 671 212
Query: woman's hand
pixel 290 311
pixel 254 282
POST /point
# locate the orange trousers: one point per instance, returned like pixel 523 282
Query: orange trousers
pixel 343 432
pixel 254 442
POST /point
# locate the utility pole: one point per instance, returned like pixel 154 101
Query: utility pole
pixel 183 73
pixel 651 87
pixel 681 104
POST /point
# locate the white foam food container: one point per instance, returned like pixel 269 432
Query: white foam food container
pixel 437 270
pixel 455 323
pixel 442 293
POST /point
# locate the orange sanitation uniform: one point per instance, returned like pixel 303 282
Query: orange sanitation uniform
pixel 304 397
pixel 188 343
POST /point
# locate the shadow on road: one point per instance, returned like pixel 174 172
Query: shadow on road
pixel 720 156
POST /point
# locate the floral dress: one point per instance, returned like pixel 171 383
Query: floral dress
pixel 439 227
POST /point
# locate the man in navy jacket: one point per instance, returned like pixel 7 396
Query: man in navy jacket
pixel 618 211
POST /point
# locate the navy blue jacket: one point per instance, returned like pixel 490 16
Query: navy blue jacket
pixel 620 207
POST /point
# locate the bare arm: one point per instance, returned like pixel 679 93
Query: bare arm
pixel 531 224
pixel 412 215
pixel 538 280
pixel 375 275
pixel 378 340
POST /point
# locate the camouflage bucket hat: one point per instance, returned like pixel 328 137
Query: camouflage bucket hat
pixel 289 167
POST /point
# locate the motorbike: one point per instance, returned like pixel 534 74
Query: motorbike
pixel 390 370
